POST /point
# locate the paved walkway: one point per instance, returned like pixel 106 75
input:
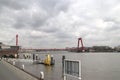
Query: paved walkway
pixel 9 72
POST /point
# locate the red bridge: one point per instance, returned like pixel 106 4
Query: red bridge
pixel 45 49
pixel 75 49
pixel 12 50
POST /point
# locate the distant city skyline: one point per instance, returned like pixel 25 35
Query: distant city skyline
pixel 59 23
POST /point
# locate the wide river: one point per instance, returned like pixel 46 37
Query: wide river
pixel 95 66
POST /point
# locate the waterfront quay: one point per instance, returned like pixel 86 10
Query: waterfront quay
pixel 94 66
pixel 10 72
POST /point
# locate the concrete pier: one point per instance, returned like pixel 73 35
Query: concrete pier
pixel 9 72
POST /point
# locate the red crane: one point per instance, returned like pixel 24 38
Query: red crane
pixel 80 40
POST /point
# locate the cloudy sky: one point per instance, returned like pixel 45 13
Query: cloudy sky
pixel 58 23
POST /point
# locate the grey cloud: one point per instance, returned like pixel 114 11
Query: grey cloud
pixel 33 21
pixel 37 20
pixel 111 19
pixel 54 5
pixel 63 35
pixel 108 19
pixel 27 21
pixel 13 4
pixel 113 29
pixel 114 26
pixel 48 29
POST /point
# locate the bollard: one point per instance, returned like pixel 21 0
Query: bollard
pixel 33 57
pixel 64 78
pixel 79 78
pixel 63 58
pixel 41 75
pixel 52 60
pixel 13 62
pixel 23 66
pixel 36 57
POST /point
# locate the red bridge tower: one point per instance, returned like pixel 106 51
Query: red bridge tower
pixel 80 40
pixel 16 39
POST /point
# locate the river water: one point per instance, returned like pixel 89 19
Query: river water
pixel 95 66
